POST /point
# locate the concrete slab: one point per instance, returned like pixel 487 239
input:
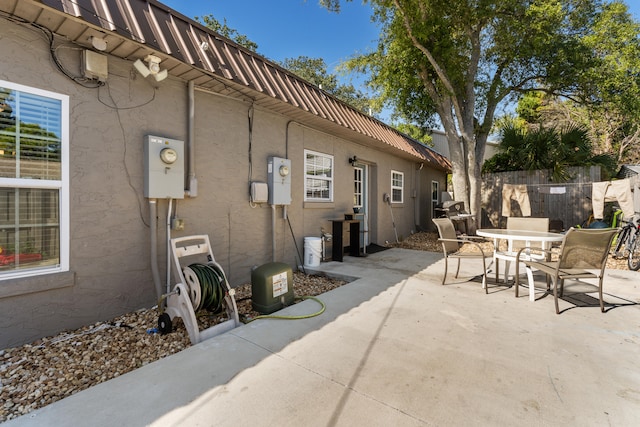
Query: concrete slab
pixel 394 347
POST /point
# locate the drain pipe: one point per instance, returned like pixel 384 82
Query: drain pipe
pixel 387 199
pixel 169 208
pixel 273 232
pixel 192 181
pixel 155 272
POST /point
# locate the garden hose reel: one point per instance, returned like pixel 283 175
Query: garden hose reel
pixel 201 283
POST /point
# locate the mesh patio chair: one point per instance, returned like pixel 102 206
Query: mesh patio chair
pixel 509 255
pixel 583 254
pixel 451 245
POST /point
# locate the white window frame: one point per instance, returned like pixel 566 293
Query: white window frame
pixel 61 185
pixel 395 176
pixel 358 187
pixel 307 167
pixel 435 195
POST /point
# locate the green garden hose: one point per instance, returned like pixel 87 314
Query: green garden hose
pixel 303 316
pixel 212 286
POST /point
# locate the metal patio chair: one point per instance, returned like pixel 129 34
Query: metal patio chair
pixel 514 246
pixel 583 254
pixel 451 244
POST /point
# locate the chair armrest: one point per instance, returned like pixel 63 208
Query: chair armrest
pixel 463 241
pixel 541 251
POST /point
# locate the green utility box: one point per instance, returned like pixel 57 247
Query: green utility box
pixel 271 287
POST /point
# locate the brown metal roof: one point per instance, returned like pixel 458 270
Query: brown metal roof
pixel 135 28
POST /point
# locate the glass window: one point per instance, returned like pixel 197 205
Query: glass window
pixel 318 173
pixel 357 187
pixel 397 186
pixel 434 197
pixel 33 138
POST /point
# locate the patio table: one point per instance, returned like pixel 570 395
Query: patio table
pixel 545 237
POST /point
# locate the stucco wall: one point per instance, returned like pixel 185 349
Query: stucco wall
pixel 110 267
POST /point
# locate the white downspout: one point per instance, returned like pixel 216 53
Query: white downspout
pixel 155 272
pixel 169 245
pixel 192 181
pixel 273 232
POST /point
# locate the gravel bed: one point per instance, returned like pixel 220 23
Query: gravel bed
pixel 37 374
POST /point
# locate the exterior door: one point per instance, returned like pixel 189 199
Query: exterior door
pixel 361 201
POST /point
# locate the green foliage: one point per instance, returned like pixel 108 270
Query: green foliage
pixel 459 59
pixel 223 29
pixel 418 133
pixel 314 70
pixel 546 148
pixel 529 107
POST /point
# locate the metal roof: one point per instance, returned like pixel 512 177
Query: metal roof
pixel 627 171
pixel 190 51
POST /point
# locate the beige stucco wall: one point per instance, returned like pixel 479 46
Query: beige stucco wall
pixel 110 267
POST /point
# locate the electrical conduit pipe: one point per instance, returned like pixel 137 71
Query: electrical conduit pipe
pixel 155 272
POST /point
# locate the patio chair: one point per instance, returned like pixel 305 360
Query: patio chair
pixel 519 223
pixel 451 245
pixel 583 254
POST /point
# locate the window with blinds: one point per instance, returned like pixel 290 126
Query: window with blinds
pixel 31 183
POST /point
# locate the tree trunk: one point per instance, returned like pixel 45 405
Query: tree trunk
pixel 457 158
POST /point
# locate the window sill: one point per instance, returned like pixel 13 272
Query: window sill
pixel 33 284
pixel 319 205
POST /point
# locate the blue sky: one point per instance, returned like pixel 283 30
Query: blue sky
pixel 291 28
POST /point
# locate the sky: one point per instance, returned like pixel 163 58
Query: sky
pixel 292 28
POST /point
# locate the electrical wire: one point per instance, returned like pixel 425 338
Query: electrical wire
pixel 250 153
pixel 50 38
pixel 296 244
pixel 124 154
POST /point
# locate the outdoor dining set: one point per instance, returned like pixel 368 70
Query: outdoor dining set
pixel 576 254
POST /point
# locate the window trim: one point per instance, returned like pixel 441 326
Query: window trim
pixel 358 183
pixel 435 185
pixel 61 185
pixel 330 180
pixel 395 187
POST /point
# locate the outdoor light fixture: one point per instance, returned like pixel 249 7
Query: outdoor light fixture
pixel 152 67
pixel 353 160
pixel 98 43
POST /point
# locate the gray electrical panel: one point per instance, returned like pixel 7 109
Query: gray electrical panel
pixel 163 168
pixel 279 181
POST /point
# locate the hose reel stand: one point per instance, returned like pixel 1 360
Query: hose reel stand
pixel 187 295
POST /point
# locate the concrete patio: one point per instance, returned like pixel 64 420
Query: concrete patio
pixel 393 348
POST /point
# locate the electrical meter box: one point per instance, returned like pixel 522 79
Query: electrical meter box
pixel 163 168
pixel 279 180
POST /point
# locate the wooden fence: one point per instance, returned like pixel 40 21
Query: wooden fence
pixel 569 202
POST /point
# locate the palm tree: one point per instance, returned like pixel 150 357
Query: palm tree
pixel 546 148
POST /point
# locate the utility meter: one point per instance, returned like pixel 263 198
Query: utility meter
pixel 279 181
pixel 169 155
pixel 163 168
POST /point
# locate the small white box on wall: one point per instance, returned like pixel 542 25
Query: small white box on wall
pixel 259 192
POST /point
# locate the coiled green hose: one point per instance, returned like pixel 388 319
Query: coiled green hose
pixel 212 286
